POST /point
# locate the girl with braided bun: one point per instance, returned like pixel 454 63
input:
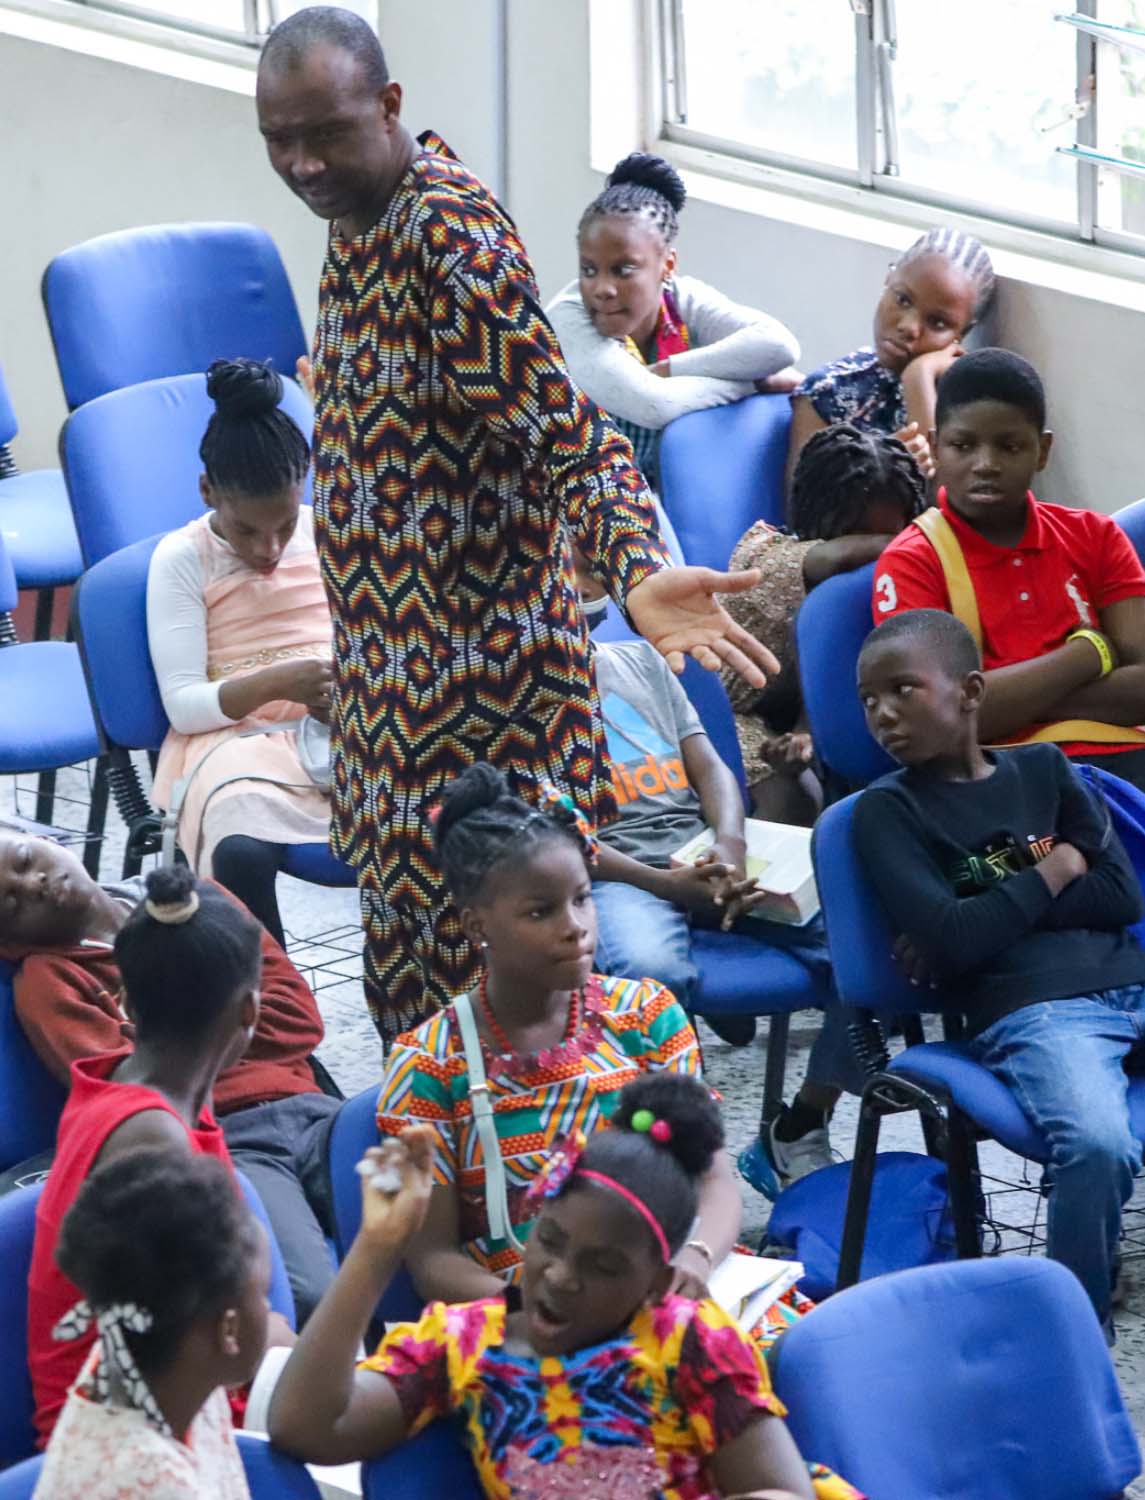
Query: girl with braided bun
pixel 604 1382
pixel 854 491
pixel 932 297
pixel 648 345
pixel 555 1042
pixel 190 960
pixel 240 636
pixel 174 1272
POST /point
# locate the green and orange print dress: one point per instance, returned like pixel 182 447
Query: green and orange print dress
pixel 451 451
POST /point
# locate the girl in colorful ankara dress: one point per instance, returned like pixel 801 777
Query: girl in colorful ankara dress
pixel 604 1383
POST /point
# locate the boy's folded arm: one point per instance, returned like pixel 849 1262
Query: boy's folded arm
pixel 1028 691
pixel 1108 896
pixel 1120 697
pixel 955 934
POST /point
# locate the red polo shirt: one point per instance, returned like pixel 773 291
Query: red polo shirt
pixel 1068 567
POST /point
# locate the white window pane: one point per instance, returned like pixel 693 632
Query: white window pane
pixel 778 75
pixel 1121 120
pixel 367 9
pixel 219 15
pixel 983 92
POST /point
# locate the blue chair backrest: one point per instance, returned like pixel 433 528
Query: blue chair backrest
pixel 19 1482
pixel 131 459
pixel 1131 519
pixel 435 1464
pixel 17 1234
pixel 271 1475
pixel 830 630
pixel 167 300
pixel 354 1131
pixel 859 933
pixel 975 1380
pixel 280 1297
pixel 9 595
pixel 9 427
pixel 110 616
pixel 721 470
pixel 32 1099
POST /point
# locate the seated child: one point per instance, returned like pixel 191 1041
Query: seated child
pixel 67 993
pixel 934 294
pixel 1012 895
pixel 174 1272
pixel 602 1383
pixel 1054 596
pixel 189 958
pixel 648 345
pixel 853 491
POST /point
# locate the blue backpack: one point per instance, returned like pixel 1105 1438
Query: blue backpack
pixel 1125 805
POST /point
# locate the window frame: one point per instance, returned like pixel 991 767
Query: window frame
pixel 258 17
pixel 869 184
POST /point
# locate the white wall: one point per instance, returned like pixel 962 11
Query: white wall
pixel 91 146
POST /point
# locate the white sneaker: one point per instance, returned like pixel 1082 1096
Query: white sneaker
pixel 795 1159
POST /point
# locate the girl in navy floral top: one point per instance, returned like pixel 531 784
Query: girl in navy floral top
pixel 933 295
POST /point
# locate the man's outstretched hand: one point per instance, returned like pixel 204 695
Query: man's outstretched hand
pixel 678 612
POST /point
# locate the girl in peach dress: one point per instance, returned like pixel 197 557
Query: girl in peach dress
pixel 240 638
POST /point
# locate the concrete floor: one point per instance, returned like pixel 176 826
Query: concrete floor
pixel 323 928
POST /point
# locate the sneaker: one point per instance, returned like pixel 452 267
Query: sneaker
pixel 795 1159
pixel 738 1030
pixel 756 1169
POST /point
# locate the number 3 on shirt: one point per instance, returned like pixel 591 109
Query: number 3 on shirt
pixel 886 593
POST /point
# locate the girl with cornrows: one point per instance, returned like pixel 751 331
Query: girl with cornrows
pixel 240 636
pixel 648 345
pixel 933 295
pixel 853 492
pixel 555 1043
pixel 605 1381
pixel 189 958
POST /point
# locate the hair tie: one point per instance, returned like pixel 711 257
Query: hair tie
pixel 644 1122
pixel 552 797
pixel 112 1325
pixel 172 913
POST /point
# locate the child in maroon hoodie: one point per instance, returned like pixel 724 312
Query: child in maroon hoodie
pixel 59 925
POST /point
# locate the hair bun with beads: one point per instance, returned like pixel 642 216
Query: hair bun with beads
pixel 243 388
pixel 693 1131
pixel 645 170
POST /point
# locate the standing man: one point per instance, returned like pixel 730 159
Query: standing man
pixel 452 457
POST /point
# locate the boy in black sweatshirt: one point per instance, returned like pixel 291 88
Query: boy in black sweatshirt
pixel 1012 895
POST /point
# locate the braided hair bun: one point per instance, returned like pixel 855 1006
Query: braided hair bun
pixel 645 170
pixel 243 388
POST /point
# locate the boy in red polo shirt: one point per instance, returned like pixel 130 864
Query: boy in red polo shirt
pixel 1055 597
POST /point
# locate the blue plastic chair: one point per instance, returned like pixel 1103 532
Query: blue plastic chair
pixel 721 470
pixel 354 1131
pixel 985 1380
pixel 270 1474
pixel 280 1297
pixel 167 300
pixel 940 1080
pixel 830 630
pixel 36 523
pixel 1131 519
pixel 435 1463
pixel 33 1100
pixel 132 459
pixel 739 975
pixel 109 618
pixel 46 720
pixel 18 1482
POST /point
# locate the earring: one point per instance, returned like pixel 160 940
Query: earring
pixel 485 945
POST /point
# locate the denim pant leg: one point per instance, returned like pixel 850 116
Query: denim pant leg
pixel 639 936
pixel 1063 1059
pixel 281 1146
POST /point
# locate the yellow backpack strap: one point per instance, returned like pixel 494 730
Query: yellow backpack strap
pixel 941 536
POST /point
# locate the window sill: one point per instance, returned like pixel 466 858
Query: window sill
pixel 154 47
pixel 1094 272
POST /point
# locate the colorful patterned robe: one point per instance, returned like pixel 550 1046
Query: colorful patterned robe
pixel 451 451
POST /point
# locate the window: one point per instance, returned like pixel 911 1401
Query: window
pixel 244 21
pixel 1025 111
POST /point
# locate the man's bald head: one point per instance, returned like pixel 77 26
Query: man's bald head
pixel 293 39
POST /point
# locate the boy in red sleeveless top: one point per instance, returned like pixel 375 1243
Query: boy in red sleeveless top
pixel 1059 593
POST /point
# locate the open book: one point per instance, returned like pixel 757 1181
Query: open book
pixel 779 861
pixel 746 1285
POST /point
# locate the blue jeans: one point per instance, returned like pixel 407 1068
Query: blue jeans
pixel 641 936
pixel 1064 1061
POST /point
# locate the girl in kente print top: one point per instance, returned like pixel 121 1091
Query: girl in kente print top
pixel 603 1383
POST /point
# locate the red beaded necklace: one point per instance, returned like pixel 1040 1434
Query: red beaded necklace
pixel 572 1026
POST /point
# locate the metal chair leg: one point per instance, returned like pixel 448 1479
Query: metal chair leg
pixel 45 796
pixel 96 819
pixel 962 1179
pixel 45 603
pixel 859 1193
pixel 775 1069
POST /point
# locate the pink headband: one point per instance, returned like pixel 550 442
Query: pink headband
pixel 641 1208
